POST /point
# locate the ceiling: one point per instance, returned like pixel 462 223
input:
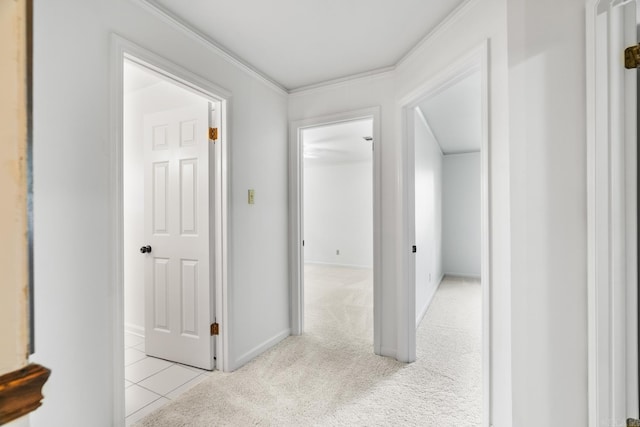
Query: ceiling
pixel 340 143
pixel 136 78
pixel 455 115
pixel 300 43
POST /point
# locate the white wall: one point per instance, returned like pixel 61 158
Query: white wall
pixel 549 211
pixel 429 221
pixel 338 214
pixel 159 97
pixel 461 214
pixel 75 282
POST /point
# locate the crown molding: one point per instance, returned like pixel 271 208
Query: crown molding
pixel 178 23
pixel 444 25
pixel 186 28
pixel 341 81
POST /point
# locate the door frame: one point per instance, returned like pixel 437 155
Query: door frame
pixel 611 214
pixel 122 49
pixel 296 225
pixel 475 60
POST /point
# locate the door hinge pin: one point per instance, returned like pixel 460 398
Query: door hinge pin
pixel 215 329
pixel 213 134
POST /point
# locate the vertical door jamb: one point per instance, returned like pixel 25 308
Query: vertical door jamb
pixel 611 213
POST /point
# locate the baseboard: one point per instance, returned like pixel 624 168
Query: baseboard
pixel 423 312
pixel 463 276
pixel 330 264
pixel 388 352
pixel 134 329
pixel 259 349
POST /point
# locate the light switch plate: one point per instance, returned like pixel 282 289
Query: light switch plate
pixel 252 197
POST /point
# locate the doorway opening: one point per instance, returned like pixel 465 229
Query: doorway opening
pixel 170 199
pixel 337 155
pixel 446 226
pixel 337 194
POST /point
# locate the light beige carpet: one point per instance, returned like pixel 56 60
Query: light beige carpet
pixel 330 376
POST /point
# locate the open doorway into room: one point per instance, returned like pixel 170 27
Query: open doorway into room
pixel 338 230
pixel 339 156
pixel 448 133
pixel 446 216
pixel 172 239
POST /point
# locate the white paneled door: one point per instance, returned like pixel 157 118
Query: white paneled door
pixel 178 296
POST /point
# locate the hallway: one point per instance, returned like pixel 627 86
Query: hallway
pixel 330 376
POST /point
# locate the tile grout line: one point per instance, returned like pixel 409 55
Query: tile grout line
pixel 149 376
pixel 170 391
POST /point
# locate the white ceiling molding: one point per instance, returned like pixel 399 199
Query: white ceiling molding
pixel 342 81
pixel 185 27
pixel 440 28
pixel 389 71
pixel 197 35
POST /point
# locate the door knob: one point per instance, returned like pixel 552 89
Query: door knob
pixel 145 249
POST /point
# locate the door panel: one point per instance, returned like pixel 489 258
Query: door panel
pixel 160 188
pixel 160 289
pixel 178 308
pixel 188 196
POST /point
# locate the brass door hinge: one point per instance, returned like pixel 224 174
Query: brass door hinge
pixel 215 329
pixel 632 57
pixel 633 423
pixel 213 134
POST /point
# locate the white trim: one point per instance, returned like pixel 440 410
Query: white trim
pixel 189 30
pixel 116 225
pixel 463 276
pixel 388 352
pixel 208 42
pixel 476 59
pixel 343 81
pixel 611 214
pixel 122 49
pixel 443 26
pixel 333 264
pixel 389 71
pixel 260 348
pixel 296 260
pixel 461 153
pixel 132 329
pixel 426 306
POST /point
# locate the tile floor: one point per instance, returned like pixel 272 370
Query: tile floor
pixel 149 382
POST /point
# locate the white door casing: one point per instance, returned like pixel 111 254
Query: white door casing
pixel 124 50
pixel 178 298
pixel 475 59
pixel 296 224
pixel 612 213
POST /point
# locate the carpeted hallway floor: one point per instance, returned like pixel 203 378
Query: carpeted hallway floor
pixel 330 376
